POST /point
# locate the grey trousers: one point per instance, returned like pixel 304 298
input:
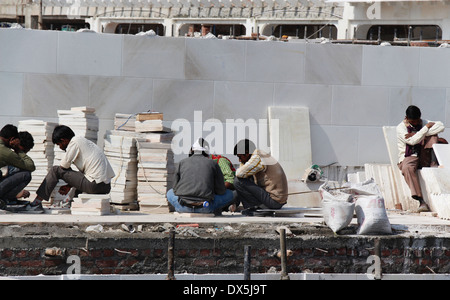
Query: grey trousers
pixel 251 195
pixel 13 184
pixel 73 178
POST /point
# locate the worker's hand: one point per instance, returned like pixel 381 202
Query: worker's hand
pixel 408 135
pixel 430 124
pixel 64 189
pixel 14 143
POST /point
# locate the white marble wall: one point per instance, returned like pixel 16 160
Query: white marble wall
pixel 351 90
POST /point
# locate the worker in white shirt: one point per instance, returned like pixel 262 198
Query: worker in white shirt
pixel 415 139
pixel 94 175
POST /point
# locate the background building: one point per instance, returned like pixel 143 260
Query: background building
pixel 387 20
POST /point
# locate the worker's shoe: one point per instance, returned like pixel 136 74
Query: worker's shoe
pixel 423 207
pixel 33 209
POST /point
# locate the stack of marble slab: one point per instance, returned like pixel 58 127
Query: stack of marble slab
pixel 150 122
pixel 125 122
pixel 43 150
pixel 120 149
pixel 155 162
pixel 436 183
pixel 155 172
pixel 82 120
pixel 91 205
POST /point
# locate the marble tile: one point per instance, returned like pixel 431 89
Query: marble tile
pixel 290 139
pixel 333 64
pixel 390 66
pixel 111 95
pixel 275 62
pixel 433 67
pixel 358 105
pixel 431 101
pixel 372 146
pixel 153 57
pixel 178 99
pixel 211 59
pixel 31 51
pixel 316 97
pixel 87 53
pixel 11 94
pixel 334 144
pixel 242 100
pixel 43 95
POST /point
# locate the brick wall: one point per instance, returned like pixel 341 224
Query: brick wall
pixel 148 255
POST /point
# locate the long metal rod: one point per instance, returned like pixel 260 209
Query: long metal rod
pixel 284 274
pixel 247 262
pixel 171 256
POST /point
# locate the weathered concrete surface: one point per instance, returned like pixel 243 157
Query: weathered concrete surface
pixel 419 245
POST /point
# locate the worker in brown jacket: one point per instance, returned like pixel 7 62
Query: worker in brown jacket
pixel 260 180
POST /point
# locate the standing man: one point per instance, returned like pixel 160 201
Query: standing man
pixel 260 180
pixel 415 139
pixel 13 154
pixel 94 175
pixel 199 186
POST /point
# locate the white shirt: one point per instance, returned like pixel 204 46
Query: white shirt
pixel 402 130
pixel 89 159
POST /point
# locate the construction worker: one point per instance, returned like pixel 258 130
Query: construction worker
pixel 13 155
pixel 415 139
pixel 260 180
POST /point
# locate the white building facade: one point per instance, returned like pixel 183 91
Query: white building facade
pixel 336 20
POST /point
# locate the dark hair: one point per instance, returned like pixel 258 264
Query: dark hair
pixel 244 146
pixel 62 132
pixel 9 131
pixel 413 112
pixel 26 140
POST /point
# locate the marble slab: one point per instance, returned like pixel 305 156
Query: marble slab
pixel 33 51
pixel 178 99
pixel 390 66
pixel 242 100
pixel 87 53
pixel 317 98
pixel 275 62
pixel 44 94
pixel 110 95
pixel 211 59
pixel 11 93
pixel 351 105
pixel 153 57
pixel 333 64
pixel 442 152
pixel 290 139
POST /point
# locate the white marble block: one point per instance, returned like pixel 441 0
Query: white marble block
pixel 290 139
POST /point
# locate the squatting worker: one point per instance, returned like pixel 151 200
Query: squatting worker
pixel 260 180
pixel 94 175
pixel 199 186
pixel 14 155
pixel 415 139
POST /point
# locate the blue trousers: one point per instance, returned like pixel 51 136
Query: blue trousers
pixel 217 204
pixel 13 184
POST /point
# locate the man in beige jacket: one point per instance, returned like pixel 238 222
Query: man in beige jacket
pixel 260 180
pixel 415 139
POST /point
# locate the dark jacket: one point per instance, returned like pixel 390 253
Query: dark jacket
pixel 198 178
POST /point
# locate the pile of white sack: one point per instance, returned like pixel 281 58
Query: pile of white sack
pixel 364 199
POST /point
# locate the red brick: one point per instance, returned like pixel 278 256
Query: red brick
pixel 31 263
pixel 205 252
pixel 106 263
pixel 204 262
pixel 108 252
